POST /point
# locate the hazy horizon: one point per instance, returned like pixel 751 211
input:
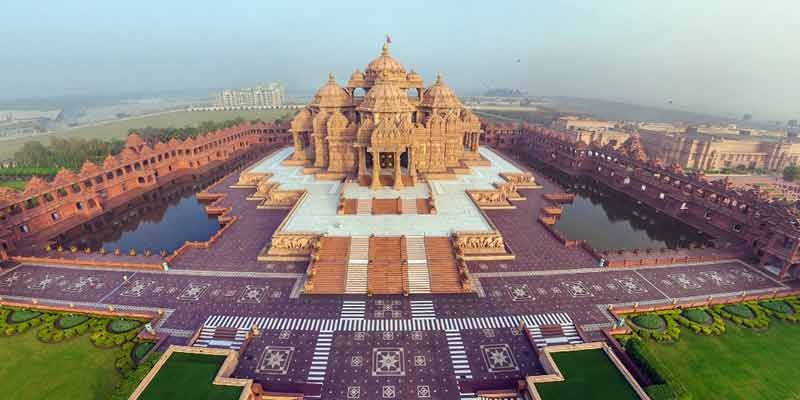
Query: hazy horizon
pixel 728 60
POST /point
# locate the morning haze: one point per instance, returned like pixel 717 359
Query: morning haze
pixel 727 58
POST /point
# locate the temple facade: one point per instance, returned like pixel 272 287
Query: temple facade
pixel 385 120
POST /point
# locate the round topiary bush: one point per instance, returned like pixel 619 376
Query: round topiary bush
pixel 71 321
pixel 123 325
pixel 649 321
pixel 778 306
pixel 18 316
pixel 697 315
pixel 740 310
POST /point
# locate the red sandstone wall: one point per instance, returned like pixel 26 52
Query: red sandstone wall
pixel 77 198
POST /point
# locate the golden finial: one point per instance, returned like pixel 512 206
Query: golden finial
pixel 438 77
pixel 331 77
pixel 385 51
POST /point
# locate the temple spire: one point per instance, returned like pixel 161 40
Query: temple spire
pixel 385 51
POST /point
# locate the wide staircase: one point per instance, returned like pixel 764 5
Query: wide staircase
pixel 444 277
pixel 364 207
pixel 330 267
pixel 419 280
pixel 356 278
pixel 386 271
pixel 408 206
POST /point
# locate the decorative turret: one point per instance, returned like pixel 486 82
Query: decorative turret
pixel 439 96
pixel 331 95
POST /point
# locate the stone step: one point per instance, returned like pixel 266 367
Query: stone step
pixel 364 207
pixel 409 206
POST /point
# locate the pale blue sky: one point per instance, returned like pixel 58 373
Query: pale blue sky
pixel 727 56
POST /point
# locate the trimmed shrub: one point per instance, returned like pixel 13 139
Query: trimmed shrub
pixel 713 325
pixel 779 306
pixel 649 321
pixel 739 310
pixel 123 325
pixel 18 316
pixel 140 350
pixel 758 317
pixel 697 315
pixel 71 321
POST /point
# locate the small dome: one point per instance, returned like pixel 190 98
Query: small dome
pixel 357 75
pixel 331 95
pixel 439 96
pixel 385 96
pixel 385 65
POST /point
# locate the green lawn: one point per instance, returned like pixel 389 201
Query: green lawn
pixel 740 364
pixel 73 370
pixel 119 129
pixel 189 376
pixel 588 375
pixel 16 185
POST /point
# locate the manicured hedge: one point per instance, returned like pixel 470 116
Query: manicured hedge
pixel 667 331
pixel 649 321
pixel 662 389
pixel 18 316
pixel 734 312
pixel 739 310
pixel 57 327
pixel 777 306
pixel 123 325
pixel 697 315
pixel 140 350
pixel 71 321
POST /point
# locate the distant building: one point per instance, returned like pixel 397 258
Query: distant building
pixel 270 95
pixel 15 123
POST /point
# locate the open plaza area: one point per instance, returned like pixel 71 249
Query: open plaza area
pixel 387 244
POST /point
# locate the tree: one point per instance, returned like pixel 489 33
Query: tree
pixel 791 173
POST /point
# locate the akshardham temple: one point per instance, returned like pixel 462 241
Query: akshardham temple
pixel 385 129
pixel 385 244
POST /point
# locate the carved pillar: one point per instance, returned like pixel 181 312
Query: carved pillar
pixel 475 141
pixel 376 170
pixel 412 169
pixel 298 147
pixel 398 174
pixel 362 160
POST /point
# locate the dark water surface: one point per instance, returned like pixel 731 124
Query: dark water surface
pixel 160 220
pixel 609 220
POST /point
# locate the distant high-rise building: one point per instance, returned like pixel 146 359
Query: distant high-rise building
pixel 270 95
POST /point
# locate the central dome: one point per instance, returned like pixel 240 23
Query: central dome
pixel 385 67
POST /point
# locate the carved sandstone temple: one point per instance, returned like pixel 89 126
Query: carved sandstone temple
pixel 343 132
